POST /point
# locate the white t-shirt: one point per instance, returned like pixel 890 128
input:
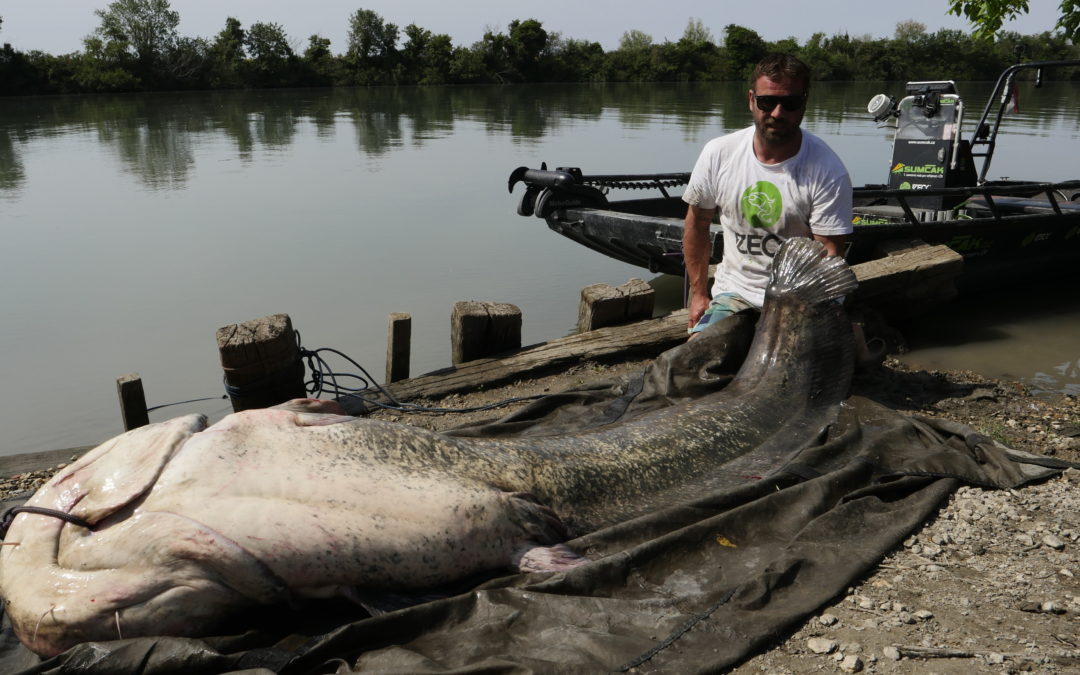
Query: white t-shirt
pixel 761 205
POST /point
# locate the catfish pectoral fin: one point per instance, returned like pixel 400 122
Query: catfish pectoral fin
pixel 555 558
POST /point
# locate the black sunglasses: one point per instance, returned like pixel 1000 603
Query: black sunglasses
pixel 792 103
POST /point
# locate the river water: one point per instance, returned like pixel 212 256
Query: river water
pixel 134 226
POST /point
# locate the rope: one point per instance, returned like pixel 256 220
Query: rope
pixel 9 517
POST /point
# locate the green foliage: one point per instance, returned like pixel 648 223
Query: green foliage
pixel 372 53
pixel 426 58
pixel 145 28
pixel 988 16
pixel 635 40
pixel 106 66
pixel 696 32
pixel 137 47
pixel 1069 22
pixel 576 61
pixel 467 66
pixel 743 49
pixel 320 66
pixel 526 45
pixel 227 55
pixel 633 60
pixel 271 58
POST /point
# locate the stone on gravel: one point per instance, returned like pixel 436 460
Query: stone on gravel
pixel 820 645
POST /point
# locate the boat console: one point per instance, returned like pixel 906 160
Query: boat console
pixel 928 151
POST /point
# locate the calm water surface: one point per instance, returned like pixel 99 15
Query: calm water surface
pixel 135 226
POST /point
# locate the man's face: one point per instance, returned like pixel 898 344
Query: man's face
pixel 779 124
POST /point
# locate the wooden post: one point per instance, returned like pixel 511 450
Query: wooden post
pixel 480 329
pixel 398 346
pixel 261 361
pixel 604 305
pixel 132 401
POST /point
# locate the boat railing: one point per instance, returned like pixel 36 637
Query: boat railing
pixel 1055 194
pixel 984 139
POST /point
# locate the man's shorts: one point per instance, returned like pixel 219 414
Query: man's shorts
pixel 722 306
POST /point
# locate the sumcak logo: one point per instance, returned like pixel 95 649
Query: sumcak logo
pixel 923 170
pixel 762 204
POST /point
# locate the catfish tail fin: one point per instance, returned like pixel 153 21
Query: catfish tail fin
pixel 803 269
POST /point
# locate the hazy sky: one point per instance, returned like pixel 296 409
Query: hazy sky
pixel 58 26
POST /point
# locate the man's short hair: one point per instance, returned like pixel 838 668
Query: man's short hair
pixel 778 66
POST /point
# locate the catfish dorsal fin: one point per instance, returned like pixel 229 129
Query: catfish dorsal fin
pixel 802 269
pixel 118 471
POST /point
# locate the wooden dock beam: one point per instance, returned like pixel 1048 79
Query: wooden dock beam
pixel 261 361
pixel 913 277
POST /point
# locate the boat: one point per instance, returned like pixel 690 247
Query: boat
pixel 936 195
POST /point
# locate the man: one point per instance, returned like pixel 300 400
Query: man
pixel 770 182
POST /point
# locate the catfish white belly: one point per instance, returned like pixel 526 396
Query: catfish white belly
pixel 264 507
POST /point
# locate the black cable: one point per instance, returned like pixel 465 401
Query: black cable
pixel 325 380
pixel 194 400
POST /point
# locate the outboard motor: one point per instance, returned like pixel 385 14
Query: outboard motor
pixel 927 149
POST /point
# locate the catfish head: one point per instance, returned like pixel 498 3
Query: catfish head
pixel 149 572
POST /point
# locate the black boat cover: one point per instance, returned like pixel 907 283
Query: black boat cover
pixel 695 587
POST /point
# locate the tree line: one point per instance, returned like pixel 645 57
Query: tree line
pixel 137 47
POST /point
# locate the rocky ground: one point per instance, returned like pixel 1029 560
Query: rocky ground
pixel 990 585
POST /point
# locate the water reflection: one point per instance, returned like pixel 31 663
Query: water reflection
pixel 12 172
pixel 156 137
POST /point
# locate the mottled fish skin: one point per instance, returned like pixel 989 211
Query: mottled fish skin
pixel 269 506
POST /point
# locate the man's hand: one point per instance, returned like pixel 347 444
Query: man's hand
pixel 698 305
pixel 696 250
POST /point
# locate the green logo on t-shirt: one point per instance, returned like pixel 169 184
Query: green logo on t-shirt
pixel 762 204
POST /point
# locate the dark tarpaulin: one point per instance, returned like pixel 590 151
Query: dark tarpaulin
pixel 696 587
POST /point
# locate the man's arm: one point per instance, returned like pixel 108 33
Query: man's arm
pixel 696 250
pixel 834 244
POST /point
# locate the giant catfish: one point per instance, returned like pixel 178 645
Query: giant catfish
pixel 177 525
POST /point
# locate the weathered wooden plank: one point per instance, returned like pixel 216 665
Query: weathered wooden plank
pixel 905 270
pixel 643 338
